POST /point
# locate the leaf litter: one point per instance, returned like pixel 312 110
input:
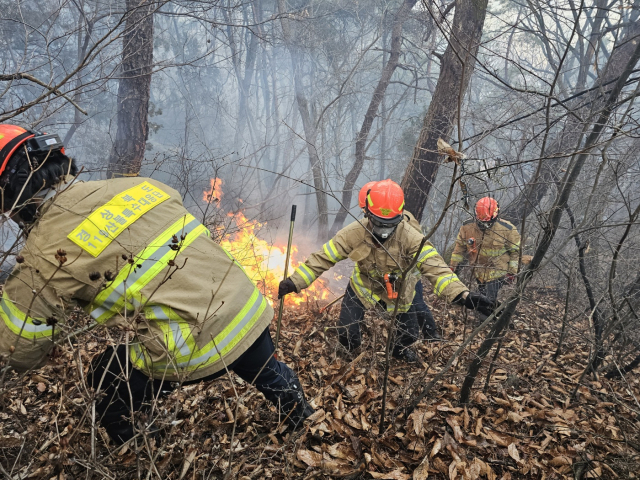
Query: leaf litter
pixel 523 426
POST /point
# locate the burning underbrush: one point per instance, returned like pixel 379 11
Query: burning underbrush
pixel 264 260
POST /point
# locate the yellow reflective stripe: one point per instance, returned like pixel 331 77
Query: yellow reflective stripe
pixel 455 257
pixel 493 252
pixel 104 224
pixel 360 288
pixel 493 274
pixel 513 247
pixel 223 343
pixel 369 201
pixel 138 356
pixel 176 332
pixel 427 252
pixel 443 282
pixel 153 259
pixel 306 273
pixel 331 251
pixel 18 323
pixel 513 263
pixel 401 308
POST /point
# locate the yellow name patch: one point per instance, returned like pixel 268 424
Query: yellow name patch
pixel 102 227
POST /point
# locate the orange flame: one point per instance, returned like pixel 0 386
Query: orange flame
pixel 214 194
pixel 263 261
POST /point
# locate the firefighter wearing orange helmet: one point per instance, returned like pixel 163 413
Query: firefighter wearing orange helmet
pixel 425 318
pixel 491 245
pixel 382 245
pixel 128 252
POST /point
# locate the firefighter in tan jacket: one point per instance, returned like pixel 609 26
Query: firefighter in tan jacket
pixel 382 245
pixel 425 319
pixel 492 247
pixel 132 257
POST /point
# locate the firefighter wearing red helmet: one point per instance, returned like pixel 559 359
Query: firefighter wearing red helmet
pixel 382 245
pixel 491 245
pixel 425 318
pixel 128 252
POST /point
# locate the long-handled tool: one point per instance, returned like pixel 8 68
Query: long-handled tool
pixel 286 274
pixel 330 304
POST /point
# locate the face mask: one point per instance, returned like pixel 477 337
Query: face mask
pixel 485 225
pixel 383 232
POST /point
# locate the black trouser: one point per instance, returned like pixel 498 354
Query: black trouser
pixel 425 318
pixel 490 290
pixel 352 314
pixel 277 382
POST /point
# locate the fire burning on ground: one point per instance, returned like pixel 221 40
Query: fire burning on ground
pixel 263 261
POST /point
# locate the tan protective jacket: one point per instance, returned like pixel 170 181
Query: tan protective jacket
pixel 372 262
pixel 494 252
pixel 189 305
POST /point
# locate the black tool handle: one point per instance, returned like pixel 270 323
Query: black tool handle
pixel 293 213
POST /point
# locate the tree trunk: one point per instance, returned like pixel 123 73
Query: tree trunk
pixel 372 111
pixel 570 137
pixel 133 90
pixel 552 224
pixel 455 73
pixel 308 125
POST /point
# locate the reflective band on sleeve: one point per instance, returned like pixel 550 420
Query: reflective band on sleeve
pixel 18 323
pixel 332 252
pixel 223 343
pixel 443 282
pixel 306 273
pixel 153 259
pixel 456 258
pixel 427 252
pixel 99 229
pixel 513 263
pixel 513 247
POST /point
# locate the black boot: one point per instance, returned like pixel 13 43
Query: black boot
pixel 431 335
pixel 119 432
pixel 291 402
pixel 406 354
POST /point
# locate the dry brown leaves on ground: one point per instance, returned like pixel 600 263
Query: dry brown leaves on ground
pixel 523 426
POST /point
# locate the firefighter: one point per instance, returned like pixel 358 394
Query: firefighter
pixel 426 323
pixel 492 247
pixel 382 245
pixel 129 253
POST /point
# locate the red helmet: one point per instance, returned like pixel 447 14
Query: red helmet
pixel 386 200
pixel 487 209
pixel 362 196
pixel 12 137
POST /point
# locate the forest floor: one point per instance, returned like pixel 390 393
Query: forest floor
pixel 522 424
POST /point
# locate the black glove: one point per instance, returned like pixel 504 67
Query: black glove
pixel 477 301
pixel 286 287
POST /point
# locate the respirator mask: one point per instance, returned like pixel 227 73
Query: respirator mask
pixel 485 225
pixel 383 228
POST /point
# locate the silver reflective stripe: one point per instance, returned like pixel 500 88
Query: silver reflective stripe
pixel 302 270
pixel 137 273
pixel 204 357
pixel 181 343
pixel 28 327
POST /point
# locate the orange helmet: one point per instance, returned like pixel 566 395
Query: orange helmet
pixel 12 137
pixel 362 196
pixel 386 200
pixel 487 209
